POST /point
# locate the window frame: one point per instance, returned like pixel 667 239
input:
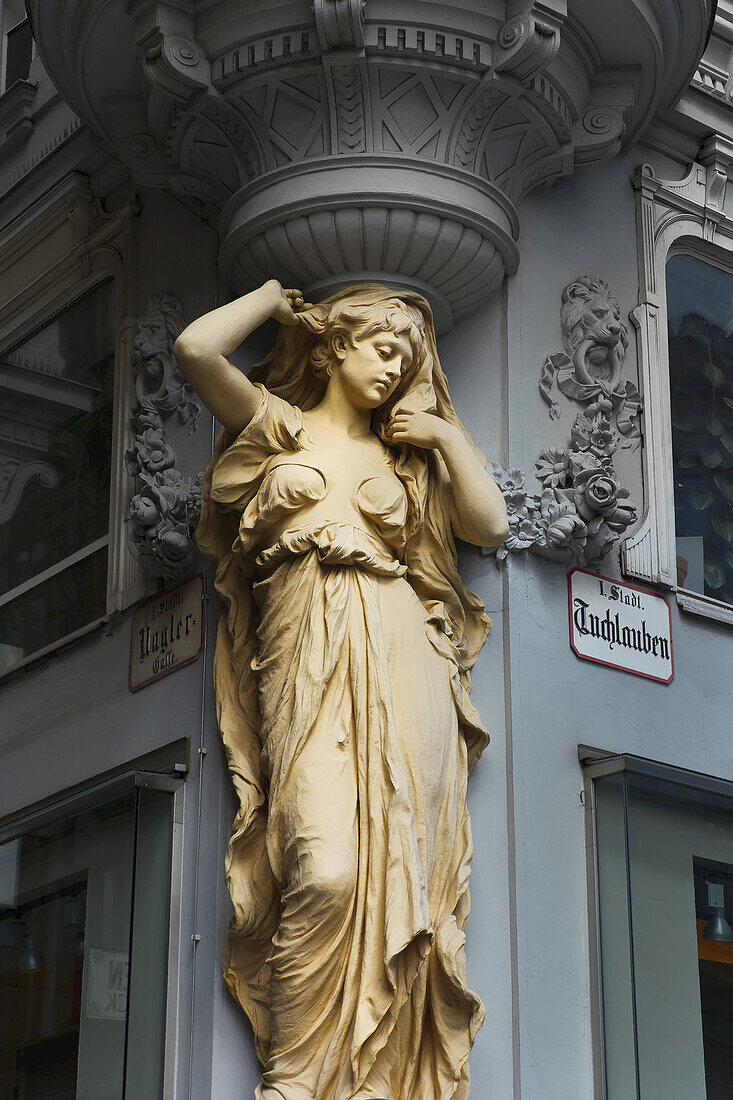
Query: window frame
pixel 598 764
pixel 674 217
pixel 97 791
pixel 103 251
pixel 4 87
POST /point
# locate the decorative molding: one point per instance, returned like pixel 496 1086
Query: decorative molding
pixel 340 24
pixel 16 116
pixel 692 210
pixel 40 155
pixel 582 510
pixel 15 474
pixel 528 42
pixel 164 510
pixel 696 604
pixel 595 341
pixel 214 112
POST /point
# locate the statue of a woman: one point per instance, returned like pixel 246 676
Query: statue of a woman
pixel 342 680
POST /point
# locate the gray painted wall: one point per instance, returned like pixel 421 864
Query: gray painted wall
pixel 73 716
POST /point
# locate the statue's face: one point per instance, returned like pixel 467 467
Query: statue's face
pixel 369 369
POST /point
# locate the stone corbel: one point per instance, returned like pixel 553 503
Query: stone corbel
pixel 598 133
pixel 340 24
pixel 716 154
pixel 172 58
pixel 529 40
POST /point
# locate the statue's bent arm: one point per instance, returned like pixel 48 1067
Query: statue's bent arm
pixel 201 351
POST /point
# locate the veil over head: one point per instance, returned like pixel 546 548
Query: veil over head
pixel 430 557
pixel 430 554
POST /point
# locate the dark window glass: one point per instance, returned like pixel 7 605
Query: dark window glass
pixel 667 986
pixel 700 317
pixel 52 610
pixel 19 53
pixel 56 391
pixel 714 905
pixel 84 911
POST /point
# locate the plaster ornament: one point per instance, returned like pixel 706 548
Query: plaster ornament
pixel 329 141
pixel 164 509
pixel 582 509
pixel 595 340
pixel 342 676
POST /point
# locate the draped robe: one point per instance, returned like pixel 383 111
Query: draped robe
pixel 342 694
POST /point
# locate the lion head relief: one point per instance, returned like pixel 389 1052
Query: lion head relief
pixel 594 335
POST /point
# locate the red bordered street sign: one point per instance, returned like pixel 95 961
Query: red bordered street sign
pixel 620 625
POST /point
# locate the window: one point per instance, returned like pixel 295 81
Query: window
pixel 84 930
pixel 16 44
pixel 685 244
pixel 56 429
pixel 700 329
pixel 663 841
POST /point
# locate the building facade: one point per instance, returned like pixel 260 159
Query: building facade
pixel 553 176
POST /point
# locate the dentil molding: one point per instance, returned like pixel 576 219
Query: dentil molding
pixel 346 139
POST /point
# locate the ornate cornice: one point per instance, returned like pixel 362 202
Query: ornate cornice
pixel 381 142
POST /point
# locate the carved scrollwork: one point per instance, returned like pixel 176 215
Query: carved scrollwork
pixel 14 476
pixel 164 510
pixel 582 509
pixel 528 42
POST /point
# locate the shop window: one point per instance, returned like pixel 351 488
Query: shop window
pixel 84 928
pixel 700 325
pixel 663 841
pixel 16 44
pixel 56 429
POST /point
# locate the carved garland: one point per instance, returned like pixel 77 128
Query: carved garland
pixel 582 509
pixel 164 510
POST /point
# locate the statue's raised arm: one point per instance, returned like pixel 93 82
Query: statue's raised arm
pixel 343 675
pixel 202 349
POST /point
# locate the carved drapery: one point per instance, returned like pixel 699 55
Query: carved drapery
pixel 348 139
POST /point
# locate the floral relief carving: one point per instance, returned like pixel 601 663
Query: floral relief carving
pixel 582 509
pixel 164 510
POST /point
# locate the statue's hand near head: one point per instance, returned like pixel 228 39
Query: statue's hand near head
pixel 285 303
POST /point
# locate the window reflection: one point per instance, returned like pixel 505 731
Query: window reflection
pixel 700 319
pixel 84 918
pixel 56 391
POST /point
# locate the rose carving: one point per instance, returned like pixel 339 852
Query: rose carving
pixel 164 510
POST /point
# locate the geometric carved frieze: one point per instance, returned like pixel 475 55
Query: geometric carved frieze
pixel 499 96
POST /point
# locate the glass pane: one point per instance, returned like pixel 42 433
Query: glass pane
pixel 77 1019
pixel 54 609
pixel 65 903
pixel 713 905
pixel 615 934
pixel 148 987
pixel 700 316
pixel 670 1024
pixel 56 396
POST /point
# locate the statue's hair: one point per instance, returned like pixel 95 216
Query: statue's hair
pixel 297 370
pixel 575 298
pixel 358 322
